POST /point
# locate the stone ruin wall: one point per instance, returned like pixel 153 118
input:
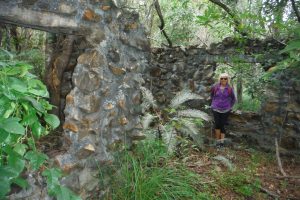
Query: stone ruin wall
pixel 102 109
pixel 171 70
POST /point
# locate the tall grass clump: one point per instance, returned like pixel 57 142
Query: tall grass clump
pixel 148 173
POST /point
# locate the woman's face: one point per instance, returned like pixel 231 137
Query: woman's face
pixel 223 80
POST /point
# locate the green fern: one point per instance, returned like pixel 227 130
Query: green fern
pixel 183 96
pixel 173 121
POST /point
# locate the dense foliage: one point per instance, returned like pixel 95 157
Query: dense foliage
pixel 24 119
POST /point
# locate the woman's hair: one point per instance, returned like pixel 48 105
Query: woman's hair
pixel 224 75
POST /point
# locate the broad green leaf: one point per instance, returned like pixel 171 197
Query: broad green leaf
pixel 12 71
pixel 21 182
pixel 24 67
pixel 17 84
pixel 5 187
pixel 35 104
pixel 10 95
pixel 3 135
pixel 37 129
pixel 20 149
pixel 4 105
pixel 36 87
pixel 36 159
pixel 10 110
pixel 12 125
pixel 46 104
pixel 7 172
pixel 52 120
pixel 30 118
pixel 293 45
pixel 16 161
pixel 52 174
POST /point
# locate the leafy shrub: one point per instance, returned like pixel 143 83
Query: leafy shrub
pixel 24 118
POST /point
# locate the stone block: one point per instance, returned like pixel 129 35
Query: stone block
pixel 68 125
pixel 123 121
pixel 96 36
pixel 88 103
pixel 84 148
pixel 109 105
pixel 92 59
pixel 66 9
pixel 88 179
pixel 105 8
pixel 86 81
pixel 69 99
pixel 66 162
pixel 90 15
pixel 117 70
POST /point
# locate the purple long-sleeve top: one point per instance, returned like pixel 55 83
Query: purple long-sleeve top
pixel 222 100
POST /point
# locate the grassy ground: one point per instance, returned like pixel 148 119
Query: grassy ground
pixel 254 174
pixel 231 173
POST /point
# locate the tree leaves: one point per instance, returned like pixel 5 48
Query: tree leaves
pixel 52 120
pixel 36 159
pixel 12 125
pixel 54 187
pixel 293 45
pixel 23 113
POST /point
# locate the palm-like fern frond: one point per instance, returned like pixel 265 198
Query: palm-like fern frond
pixel 147 119
pixel 189 128
pixel 169 137
pixel 182 97
pixel 194 114
pixel 148 99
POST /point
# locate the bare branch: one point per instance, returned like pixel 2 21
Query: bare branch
pixel 296 10
pixel 162 22
pixel 270 193
pixel 278 158
pixel 237 23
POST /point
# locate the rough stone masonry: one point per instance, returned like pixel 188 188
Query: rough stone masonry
pixel 102 110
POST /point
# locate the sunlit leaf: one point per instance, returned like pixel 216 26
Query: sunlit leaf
pixel 12 125
pixel 37 129
pixel 35 104
pixel 21 182
pixel 52 120
pixel 17 84
pixel 20 148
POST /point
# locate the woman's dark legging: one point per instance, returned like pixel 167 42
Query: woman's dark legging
pixel 220 120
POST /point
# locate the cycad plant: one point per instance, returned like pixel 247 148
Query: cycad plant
pixel 175 119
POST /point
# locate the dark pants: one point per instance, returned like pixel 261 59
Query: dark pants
pixel 220 120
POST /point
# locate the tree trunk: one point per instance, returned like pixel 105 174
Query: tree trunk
pixel 55 70
pixel 7 39
pixel 2 27
pixel 15 38
pixel 239 88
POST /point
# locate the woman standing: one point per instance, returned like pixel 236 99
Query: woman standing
pixel 223 99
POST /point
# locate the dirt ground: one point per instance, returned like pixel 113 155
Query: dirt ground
pixel 248 166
